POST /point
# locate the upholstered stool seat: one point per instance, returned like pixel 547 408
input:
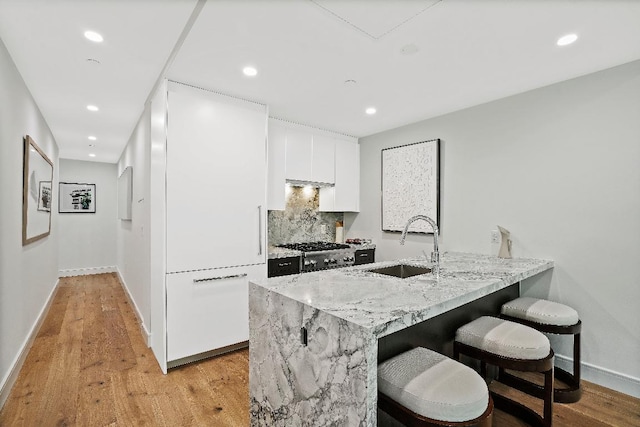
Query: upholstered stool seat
pixel 510 345
pixel 423 388
pixel 554 318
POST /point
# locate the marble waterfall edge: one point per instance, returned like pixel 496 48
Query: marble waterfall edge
pixel 330 381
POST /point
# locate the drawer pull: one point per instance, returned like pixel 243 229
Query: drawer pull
pixel 284 264
pixel 365 255
pixel 211 279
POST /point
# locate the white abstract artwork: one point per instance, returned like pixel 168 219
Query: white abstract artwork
pixel 411 185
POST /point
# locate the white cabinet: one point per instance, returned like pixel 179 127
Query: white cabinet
pixel 299 155
pixel 306 154
pixel 345 195
pixel 209 193
pixel 276 166
pixel 208 309
pixel 322 163
pixel 309 156
pixel 216 187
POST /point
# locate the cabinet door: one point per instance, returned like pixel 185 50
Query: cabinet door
pixel 299 155
pixel 208 310
pixel 216 180
pixel 322 167
pixel 347 189
pixel 276 165
pixel 345 195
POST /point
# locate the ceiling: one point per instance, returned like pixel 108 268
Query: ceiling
pixel 319 62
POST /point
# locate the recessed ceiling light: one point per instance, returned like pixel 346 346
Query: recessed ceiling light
pixel 93 61
pixel 93 36
pixel 92 138
pixel 92 108
pixel 567 39
pixel 350 82
pixel 92 155
pixel 250 71
pixel 370 111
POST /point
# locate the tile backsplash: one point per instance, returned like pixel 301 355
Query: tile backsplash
pixel 301 221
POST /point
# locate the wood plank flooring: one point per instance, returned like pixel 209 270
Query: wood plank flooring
pixel 89 366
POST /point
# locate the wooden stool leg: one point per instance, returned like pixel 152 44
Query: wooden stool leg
pixel 548 398
pixel 576 358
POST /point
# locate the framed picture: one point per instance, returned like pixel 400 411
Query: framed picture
pixel 44 196
pixel 37 176
pixel 77 198
pixel 411 185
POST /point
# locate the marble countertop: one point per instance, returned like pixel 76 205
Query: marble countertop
pixel 384 304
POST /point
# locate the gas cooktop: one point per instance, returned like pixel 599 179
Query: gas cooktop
pixel 314 246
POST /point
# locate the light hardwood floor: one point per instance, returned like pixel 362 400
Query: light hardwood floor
pixel 90 367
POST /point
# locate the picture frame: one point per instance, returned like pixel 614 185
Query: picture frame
pixel 76 198
pixel 410 185
pixel 44 196
pixel 37 169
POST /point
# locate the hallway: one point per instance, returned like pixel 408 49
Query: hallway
pixel 90 367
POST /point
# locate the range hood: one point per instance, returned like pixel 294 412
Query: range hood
pixel 315 184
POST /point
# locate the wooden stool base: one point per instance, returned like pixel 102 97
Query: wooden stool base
pixel 411 419
pixel 544 366
pixel 573 391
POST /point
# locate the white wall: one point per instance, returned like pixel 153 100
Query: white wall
pixel 88 240
pixel 558 167
pixel 28 275
pixel 133 236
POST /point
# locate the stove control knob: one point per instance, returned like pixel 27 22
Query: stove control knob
pixel 313 262
pixel 307 262
pixel 334 261
pixel 326 261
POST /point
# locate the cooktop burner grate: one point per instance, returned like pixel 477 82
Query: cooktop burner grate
pixel 314 246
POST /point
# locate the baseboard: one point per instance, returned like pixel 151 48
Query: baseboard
pixel 605 377
pixel 146 335
pixel 16 365
pixel 86 271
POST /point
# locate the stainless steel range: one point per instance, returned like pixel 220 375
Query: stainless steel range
pixel 323 255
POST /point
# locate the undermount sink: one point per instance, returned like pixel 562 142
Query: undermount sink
pixel 401 271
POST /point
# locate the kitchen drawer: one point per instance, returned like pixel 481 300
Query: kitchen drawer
pixel 208 309
pixel 365 256
pixel 284 266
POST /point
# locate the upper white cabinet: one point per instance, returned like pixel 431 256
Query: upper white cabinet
pixel 344 196
pixel 276 166
pixel 302 153
pixel 299 154
pixel 216 186
pixel 322 163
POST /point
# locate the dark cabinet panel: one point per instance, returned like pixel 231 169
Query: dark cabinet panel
pixel 365 256
pixel 283 266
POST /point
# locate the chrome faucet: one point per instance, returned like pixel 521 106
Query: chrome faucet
pixel 435 255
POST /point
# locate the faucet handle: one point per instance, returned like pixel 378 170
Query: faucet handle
pixel 435 257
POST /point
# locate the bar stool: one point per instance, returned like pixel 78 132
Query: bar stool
pixel 553 318
pixel 510 345
pixel 423 388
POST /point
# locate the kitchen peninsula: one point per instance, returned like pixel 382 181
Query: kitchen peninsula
pixel 313 346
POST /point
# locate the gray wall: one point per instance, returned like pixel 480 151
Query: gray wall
pixel 88 240
pixel 28 274
pixel 559 167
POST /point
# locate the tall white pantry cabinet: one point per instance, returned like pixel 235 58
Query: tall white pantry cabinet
pixel 215 221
